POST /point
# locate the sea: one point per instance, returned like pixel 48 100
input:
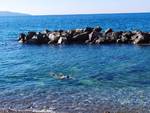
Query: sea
pixel 112 77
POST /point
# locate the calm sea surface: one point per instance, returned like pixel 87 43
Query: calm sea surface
pixel 103 77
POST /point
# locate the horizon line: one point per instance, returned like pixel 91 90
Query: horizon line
pixel 89 13
pixel 28 14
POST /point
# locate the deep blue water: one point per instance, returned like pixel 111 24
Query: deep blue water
pixel 103 77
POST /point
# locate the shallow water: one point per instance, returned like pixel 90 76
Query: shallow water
pixel 102 77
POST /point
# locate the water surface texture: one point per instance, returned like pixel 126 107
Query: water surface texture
pixel 102 77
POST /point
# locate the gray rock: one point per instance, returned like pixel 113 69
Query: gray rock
pixel 22 38
pixel 80 38
pixel 42 38
pixel 30 35
pixel 97 29
pixel 141 38
pixel 53 38
pixel 116 35
pixel 87 42
pixel 109 38
pixel 109 30
pixel 62 40
pixel 138 38
pixel 100 41
pixel 88 29
pixel 118 41
pixel 32 41
pixel 95 35
pixel 126 37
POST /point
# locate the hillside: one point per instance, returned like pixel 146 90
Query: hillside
pixel 7 13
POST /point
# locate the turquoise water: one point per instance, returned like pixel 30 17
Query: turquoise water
pixel 102 77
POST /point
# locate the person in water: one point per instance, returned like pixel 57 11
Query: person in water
pixel 64 77
pixel 60 76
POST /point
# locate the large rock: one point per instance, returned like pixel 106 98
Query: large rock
pixel 109 38
pixel 97 29
pixel 53 38
pixel 30 35
pixel 80 38
pixel 146 37
pixel 46 31
pixel 126 37
pixel 116 35
pixel 118 41
pixel 88 29
pixel 22 38
pixel 100 41
pixel 62 40
pixel 109 30
pixel 42 38
pixel 78 31
pixel 95 35
pixel 141 38
pixel 32 41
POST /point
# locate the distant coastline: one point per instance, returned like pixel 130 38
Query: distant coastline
pixel 8 13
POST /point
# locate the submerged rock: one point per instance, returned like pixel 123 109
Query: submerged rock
pixel 88 35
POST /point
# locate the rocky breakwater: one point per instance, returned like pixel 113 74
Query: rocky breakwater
pixel 85 36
